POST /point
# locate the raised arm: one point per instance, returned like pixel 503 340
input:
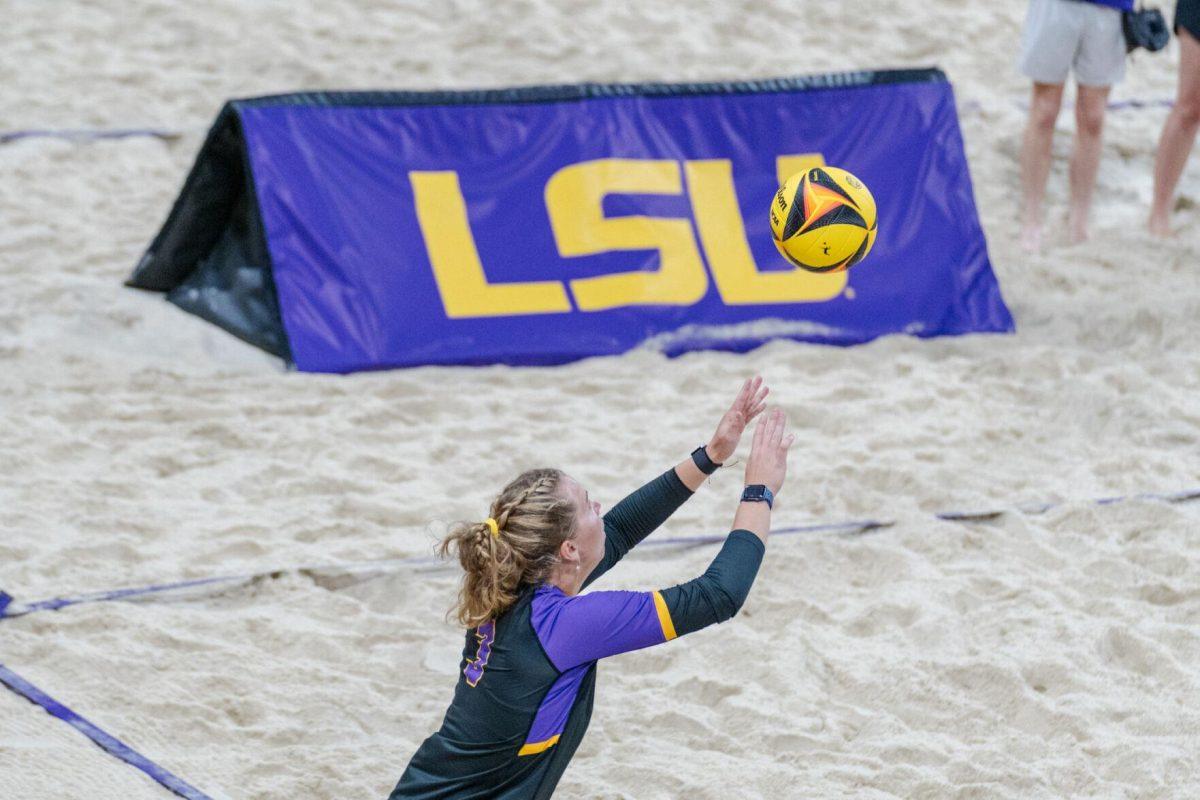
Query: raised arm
pixel 638 515
pixel 718 594
pixel 576 630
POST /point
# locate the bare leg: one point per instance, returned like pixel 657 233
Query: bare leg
pixel 1178 135
pixel 1035 159
pixel 1090 104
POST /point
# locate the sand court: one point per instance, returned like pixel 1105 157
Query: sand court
pixel 1034 655
pixel 1016 656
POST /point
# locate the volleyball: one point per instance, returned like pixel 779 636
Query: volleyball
pixel 823 220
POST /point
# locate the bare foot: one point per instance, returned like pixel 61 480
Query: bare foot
pixel 1031 238
pixel 1078 229
pixel 1159 226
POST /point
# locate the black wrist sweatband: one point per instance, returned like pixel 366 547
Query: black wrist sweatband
pixel 703 462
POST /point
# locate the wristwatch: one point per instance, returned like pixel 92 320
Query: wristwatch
pixel 757 493
pixel 703 462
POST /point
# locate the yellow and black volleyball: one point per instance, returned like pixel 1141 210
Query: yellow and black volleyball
pixel 823 219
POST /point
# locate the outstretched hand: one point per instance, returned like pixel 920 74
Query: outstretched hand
pixel 749 403
pixel 767 463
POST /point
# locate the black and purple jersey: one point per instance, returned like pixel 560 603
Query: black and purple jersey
pixel 527 679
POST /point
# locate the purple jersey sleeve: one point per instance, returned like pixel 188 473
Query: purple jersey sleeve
pixel 580 629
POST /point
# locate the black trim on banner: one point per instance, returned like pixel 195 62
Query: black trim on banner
pixel 211 256
pixel 586 91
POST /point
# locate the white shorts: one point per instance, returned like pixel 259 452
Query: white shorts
pixel 1061 35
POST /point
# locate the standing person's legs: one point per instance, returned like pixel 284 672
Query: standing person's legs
pixel 1052 35
pixel 1090 104
pixel 1178 135
pixel 1099 65
pixel 1035 159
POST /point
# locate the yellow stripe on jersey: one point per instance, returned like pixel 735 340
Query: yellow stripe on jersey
pixel 664 617
pixel 538 747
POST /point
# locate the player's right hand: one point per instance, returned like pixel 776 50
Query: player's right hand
pixel 768 453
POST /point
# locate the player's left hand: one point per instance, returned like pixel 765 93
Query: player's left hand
pixel 749 403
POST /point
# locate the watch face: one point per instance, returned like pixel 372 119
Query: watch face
pixel 758 492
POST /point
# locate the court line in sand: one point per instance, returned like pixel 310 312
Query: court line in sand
pixel 330 575
pixel 104 740
pixel 90 134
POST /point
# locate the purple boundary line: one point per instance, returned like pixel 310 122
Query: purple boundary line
pixel 87 134
pixel 56 603
pixel 860 526
pixel 8 609
pixel 105 741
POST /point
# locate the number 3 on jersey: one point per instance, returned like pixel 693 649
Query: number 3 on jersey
pixel 486 634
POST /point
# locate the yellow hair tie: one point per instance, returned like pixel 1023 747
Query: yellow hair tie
pixel 491 523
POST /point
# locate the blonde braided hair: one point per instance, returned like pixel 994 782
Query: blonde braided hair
pixel 533 521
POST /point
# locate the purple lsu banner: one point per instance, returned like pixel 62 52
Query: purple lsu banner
pixel 545 225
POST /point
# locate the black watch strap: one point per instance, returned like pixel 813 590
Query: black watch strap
pixel 758 493
pixel 703 462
